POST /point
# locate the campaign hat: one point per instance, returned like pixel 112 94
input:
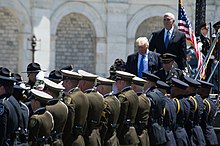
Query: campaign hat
pixel 6 77
pixel 55 75
pixel 216 25
pixel 203 25
pixel 33 68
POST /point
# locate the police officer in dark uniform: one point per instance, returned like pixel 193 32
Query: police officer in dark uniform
pixel 58 110
pixel 192 126
pixel 127 134
pixel 18 93
pixel 182 105
pixel 168 69
pixel 110 113
pixel 208 114
pixel 157 132
pixel 141 120
pixel 78 106
pixel 55 76
pixel 10 111
pixel 32 70
pixel 169 113
pixel 41 123
pixel 203 38
pixel 96 107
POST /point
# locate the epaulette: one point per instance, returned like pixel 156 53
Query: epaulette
pixel 195 103
pixel 121 97
pixel 52 101
pixel 178 105
pixel 40 111
pixel 207 104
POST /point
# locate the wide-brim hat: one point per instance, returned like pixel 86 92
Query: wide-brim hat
pixel 33 68
pixel 55 75
pixel 104 81
pixel 122 75
pixel 138 81
pixel 216 25
pixel 5 76
pixel 87 76
pixel 71 75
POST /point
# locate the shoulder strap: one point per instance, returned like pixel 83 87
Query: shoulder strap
pixel 195 103
pixel 209 106
pixel 178 105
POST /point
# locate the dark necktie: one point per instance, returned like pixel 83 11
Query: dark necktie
pixel 167 39
pixel 141 66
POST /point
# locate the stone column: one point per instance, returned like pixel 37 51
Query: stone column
pixel 116 30
pixel 41 29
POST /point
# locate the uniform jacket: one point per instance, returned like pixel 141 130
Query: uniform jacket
pixel 166 77
pixel 141 121
pixel 41 124
pixel 96 107
pixel 110 116
pixel 132 63
pixel 78 102
pixel 129 105
pixel 176 46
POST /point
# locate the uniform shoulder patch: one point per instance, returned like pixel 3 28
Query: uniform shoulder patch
pixel 2 109
pixel 32 123
pixel 121 97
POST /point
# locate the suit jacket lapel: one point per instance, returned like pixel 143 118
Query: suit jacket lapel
pixel 172 36
pixel 136 62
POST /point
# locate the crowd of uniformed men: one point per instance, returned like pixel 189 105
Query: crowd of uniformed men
pixel 80 108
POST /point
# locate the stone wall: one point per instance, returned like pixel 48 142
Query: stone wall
pixel 76 43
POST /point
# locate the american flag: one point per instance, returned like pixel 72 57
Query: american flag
pixel 185 26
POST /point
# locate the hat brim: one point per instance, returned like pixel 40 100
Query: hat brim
pixel 8 78
pixel 35 71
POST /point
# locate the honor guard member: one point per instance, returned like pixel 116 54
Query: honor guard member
pixel 32 70
pixel 168 69
pixel 169 113
pixel 192 126
pixel 110 113
pixel 10 111
pixel 78 105
pixel 41 123
pixel 18 93
pixel 55 76
pixel 141 120
pixel 178 91
pixel 96 107
pixel 203 38
pixel 157 133
pixel 126 132
pixel 58 110
pixel 208 114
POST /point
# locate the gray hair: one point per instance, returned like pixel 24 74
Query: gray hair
pixel 169 14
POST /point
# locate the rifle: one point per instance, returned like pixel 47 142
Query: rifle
pixel 207 58
pixel 213 71
pixel 210 32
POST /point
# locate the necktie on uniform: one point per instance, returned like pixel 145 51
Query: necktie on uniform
pixel 167 38
pixel 141 66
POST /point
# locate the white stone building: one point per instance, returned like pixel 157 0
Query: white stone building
pixel 90 34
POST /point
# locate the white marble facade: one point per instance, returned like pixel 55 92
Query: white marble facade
pixel 115 23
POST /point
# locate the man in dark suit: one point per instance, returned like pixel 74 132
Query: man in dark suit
pixel 143 60
pixel 170 40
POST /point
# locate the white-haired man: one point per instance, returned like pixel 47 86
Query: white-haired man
pixel 143 60
pixel 170 40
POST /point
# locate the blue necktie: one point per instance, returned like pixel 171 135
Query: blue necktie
pixel 141 66
pixel 167 39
